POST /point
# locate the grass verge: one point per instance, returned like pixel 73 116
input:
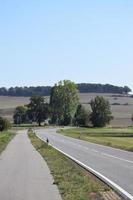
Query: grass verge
pixel 118 138
pixel 5 138
pixel 74 182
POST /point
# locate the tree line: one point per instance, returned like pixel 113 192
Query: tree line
pixel 64 108
pixel 46 90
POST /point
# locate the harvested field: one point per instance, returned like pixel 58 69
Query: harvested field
pixel 122 110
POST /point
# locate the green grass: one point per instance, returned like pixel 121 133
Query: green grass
pixel 5 138
pixel 74 183
pixel 118 138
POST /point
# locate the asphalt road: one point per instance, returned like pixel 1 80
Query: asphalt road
pixel 24 174
pixel 116 165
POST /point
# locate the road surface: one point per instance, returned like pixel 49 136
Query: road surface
pixel 24 174
pixel 116 165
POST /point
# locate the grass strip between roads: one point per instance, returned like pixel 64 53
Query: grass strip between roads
pixel 5 138
pixel 74 182
pixel 118 138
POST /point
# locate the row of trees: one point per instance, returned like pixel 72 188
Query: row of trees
pixel 100 88
pixel 64 108
pixel 46 90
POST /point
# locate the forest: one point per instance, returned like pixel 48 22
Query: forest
pixel 46 90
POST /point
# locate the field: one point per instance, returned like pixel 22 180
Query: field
pixel 122 110
pixel 8 104
pixel 121 138
pixel 122 107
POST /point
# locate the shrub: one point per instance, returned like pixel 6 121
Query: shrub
pixel 4 124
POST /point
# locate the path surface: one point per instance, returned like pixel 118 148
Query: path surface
pixel 117 165
pixel 24 175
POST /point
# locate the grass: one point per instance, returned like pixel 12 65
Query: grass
pixel 121 138
pixel 5 138
pixel 74 183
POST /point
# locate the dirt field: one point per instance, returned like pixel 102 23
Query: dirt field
pixel 8 104
pixel 122 113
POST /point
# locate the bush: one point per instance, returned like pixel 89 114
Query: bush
pixel 4 124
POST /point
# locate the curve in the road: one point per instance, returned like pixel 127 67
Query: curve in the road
pixel 105 155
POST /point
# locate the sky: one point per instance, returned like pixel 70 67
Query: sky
pixel 43 42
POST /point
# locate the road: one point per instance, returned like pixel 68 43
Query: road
pixel 24 174
pixel 114 164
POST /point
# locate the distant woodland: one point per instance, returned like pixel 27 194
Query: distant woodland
pixel 46 90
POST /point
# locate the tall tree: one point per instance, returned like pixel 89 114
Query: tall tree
pixel 101 113
pixel 20 115
pixel 38 109
pixel 82 116
pixel 64 100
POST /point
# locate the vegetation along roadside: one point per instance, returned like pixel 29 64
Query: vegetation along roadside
pixel 73 181
pixel 5 138
pixel 121 138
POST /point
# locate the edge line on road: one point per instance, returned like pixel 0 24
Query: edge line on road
pixel 109 182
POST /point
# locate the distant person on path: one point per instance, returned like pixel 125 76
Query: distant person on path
pixel 47 141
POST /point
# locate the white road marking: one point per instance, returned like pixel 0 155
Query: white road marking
pixel 109 155
pixel 112 184
pixel 102 153
pixel 94 150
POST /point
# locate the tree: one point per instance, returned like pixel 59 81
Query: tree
pixel 20 115
pixel 126 89
pixel 101 113
pixel 4 124
pixel 64 100
pixel 38 110
pixel 82 116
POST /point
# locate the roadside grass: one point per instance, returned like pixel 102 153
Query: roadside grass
pixel 74 182
pixel 121 138
pixel 5 138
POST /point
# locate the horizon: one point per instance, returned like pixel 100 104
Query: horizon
pixel 58 82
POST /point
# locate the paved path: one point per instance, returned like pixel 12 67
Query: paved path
pixel 116 165
pixel 23 173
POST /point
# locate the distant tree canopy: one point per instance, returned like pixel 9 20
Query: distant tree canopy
pixel 46 90
pixel 100 88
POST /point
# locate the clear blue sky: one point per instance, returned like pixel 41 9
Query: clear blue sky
pixel 42 42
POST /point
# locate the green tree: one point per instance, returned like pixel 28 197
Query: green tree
pixel 82 116
pixel 126 89
pixel 4 124
pixel 64 100
pixel 20 115
pixel 101 113
pixel 38 109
